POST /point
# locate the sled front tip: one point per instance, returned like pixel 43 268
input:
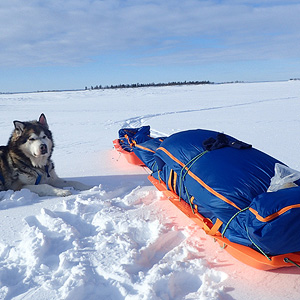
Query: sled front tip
pixel 129 156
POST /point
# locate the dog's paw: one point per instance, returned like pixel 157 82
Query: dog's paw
pixel 62 193
pixel 84 187
pixel 79 186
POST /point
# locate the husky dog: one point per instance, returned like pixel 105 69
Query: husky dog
pixel 26 161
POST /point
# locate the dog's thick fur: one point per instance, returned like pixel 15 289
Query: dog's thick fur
pixel 26 161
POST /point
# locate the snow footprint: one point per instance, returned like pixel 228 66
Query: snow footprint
pixel 152 254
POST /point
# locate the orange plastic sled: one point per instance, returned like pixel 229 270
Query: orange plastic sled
pixel 130 156
pixel 244 254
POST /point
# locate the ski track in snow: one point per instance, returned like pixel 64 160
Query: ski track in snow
pixel 63 250
pixel 139 121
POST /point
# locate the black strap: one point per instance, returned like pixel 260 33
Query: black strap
pixel 2 179
pixel 223 141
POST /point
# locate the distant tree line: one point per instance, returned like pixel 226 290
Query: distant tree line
pixel 138 85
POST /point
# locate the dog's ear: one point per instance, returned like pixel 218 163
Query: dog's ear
pixel 19 127
pixel 43 120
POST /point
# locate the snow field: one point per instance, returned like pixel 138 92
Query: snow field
pixel 121 240
pixel 103 246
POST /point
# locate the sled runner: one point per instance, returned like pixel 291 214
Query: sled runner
pixel 221 183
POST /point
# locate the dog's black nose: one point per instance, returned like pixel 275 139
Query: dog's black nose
pixel 43 148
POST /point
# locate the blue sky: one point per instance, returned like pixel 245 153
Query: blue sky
pixel 70 44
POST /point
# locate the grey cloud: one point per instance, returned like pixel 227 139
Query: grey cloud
pixel 69 32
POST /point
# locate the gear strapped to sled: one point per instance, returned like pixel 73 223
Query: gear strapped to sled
pixel 223 185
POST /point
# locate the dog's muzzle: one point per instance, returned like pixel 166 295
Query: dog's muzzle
pixel 43 149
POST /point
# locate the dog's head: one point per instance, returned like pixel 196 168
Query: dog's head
pixel 34 139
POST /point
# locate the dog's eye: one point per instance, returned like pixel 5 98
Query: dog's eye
pixel 31 139
pixel 44 137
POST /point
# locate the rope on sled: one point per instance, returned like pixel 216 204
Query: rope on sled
pixel 187 167
pixel 260 250
pixel 287 260
pixel 181 177
pixel 190 202
pixel 155 164
pixel 226 226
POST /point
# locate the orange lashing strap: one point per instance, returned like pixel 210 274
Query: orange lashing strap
pixel 170 180
pixel 174 182
pixel 195 205
pixel 128 140
pixel 214 229
pixel 142 147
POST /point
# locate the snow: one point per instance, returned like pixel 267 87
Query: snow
pixel 122 239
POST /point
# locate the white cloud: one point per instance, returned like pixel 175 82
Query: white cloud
pixel 40 32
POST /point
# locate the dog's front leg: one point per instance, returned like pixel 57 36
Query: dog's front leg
pixel 47 190
pixel 60 183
